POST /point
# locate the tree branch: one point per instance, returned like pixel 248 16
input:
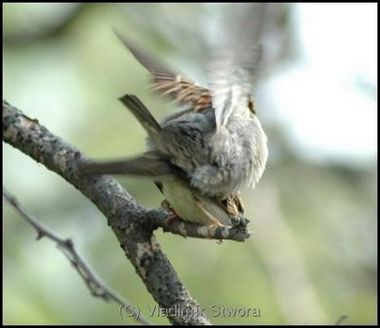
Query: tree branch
pixel 239 232
pixel 129 221
pixel 95 286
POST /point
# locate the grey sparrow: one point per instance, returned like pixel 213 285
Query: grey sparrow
pixel 174 182
pixel 217 139
pixel 203 155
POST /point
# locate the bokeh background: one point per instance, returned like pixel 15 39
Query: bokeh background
pixel 312 257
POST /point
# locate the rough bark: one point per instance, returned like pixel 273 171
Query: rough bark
pixel 128 220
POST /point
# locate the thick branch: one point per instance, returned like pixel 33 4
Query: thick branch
pixel 96 287
pixel 127 219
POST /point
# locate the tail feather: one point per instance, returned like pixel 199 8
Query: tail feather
pixel 141 113
pixel 148 164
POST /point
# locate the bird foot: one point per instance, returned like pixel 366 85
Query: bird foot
pixel 239 222
pixel 172 214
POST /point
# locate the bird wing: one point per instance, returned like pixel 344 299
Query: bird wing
pixel 232 69
pixel 169 83
pixel 233 66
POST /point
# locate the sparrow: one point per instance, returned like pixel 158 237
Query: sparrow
pixel 181 200
pixel 217 139
pixel 202 156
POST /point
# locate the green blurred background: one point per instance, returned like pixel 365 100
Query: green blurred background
pixel 312 257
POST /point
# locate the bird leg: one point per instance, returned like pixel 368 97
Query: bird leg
pixel 215 222
pixel 172 214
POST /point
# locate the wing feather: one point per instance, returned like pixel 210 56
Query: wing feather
pixel 234 65
pixel 169 83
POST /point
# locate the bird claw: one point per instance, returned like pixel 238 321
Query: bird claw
pixel 239 222
pixel 172 217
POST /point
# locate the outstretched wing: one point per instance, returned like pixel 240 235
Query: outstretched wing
pixel 169 83
pixel 234 65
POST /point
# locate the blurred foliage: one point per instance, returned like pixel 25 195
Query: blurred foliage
pixel 312 257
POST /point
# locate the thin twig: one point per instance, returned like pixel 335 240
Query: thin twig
pixel 96 287
pixel 160 219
